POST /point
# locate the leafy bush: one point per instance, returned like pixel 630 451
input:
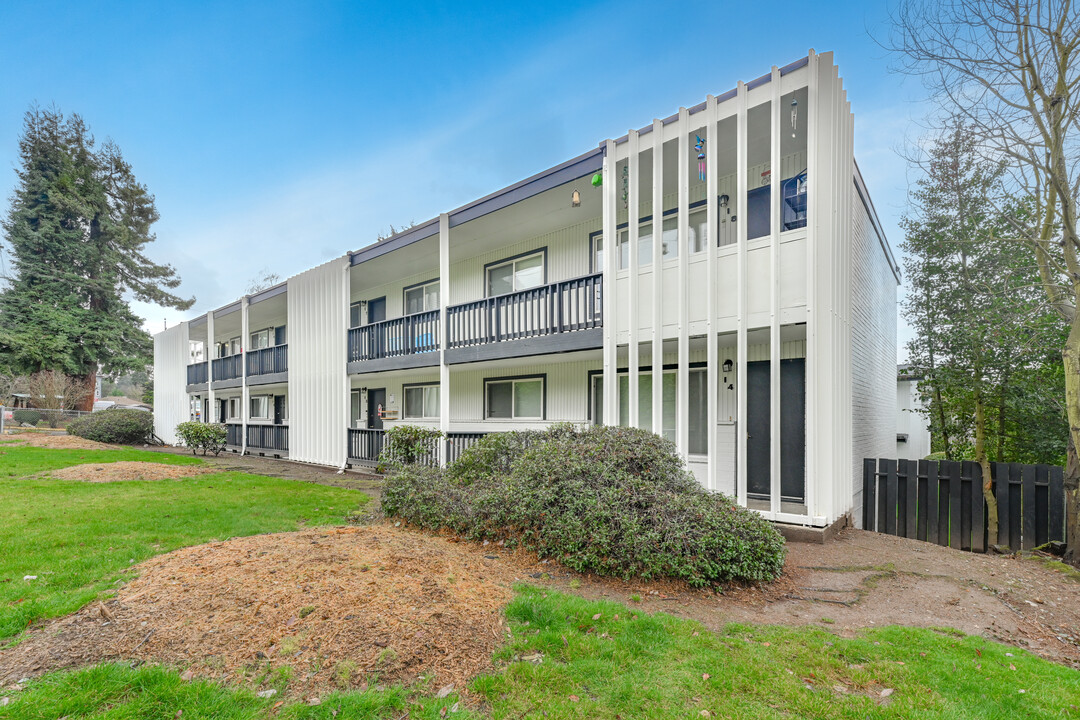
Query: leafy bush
pixel 30 417
pixel 207 437
pixel 408 445
pixel 125 427
pixel 610 500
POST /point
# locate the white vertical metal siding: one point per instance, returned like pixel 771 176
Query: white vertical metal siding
pixel 318 382
pixel 170 381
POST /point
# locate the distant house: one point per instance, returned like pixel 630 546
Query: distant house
pixel 912 430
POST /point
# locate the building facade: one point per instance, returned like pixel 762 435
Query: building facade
pixel 752 323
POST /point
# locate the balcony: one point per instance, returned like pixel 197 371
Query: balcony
pixel 365 446
pixel 267 361
pixel 196 373
pixel 228 368
pixel 409 335
pixel 272 438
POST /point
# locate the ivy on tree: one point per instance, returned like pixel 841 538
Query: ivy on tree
pixel 77 231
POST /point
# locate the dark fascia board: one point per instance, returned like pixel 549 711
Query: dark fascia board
pixel 268 293
pixel 403 238
pixel 268 378
pixel 543 345
pixel 228 309
pixel 864 194
pixel 198 387
pixel 227 384
pixel 573 169
pixel 789 68
pixel 197 322
pixel 401 362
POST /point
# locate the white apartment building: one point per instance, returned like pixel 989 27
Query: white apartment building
pixel 731 248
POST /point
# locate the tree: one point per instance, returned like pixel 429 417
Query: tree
pixel 52 390
pixel 1010 71
pixel 977 297
pixel 265 279
pixel 77 230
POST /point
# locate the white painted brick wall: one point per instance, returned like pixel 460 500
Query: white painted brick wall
pixel 873 350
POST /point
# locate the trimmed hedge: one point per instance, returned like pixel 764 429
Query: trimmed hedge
pixel 30 417
pixel 610 500
pixel 122 427
pixel 208 437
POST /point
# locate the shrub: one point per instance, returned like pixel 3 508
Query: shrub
pixel 30 417
pixel 610 500
pixel 207 437
pixel 408 445
pixel 126 427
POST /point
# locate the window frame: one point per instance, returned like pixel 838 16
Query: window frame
pixel 229 414
pixel 268 333
pixel 513 380
pixel 542 252
pixel 268 403
pixel 692 208
pixel 416 286
pixel 405 388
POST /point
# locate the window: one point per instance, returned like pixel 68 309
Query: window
pixel 670 239
pixel 422 298
pixel 260 407
pixel 421 401
pixel 233 409
pixel 515 399
pixel 698 409
pixel 699 230
pixel 354 315
pixel 260 339
pixel 355 406
pixel 517 274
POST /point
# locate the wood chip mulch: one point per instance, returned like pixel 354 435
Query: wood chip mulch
pixel 63 442
pixel 126 470
pixel 341 607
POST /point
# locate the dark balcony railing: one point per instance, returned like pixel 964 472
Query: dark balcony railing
pixel 228 368
pixel 196 373
pixel 365 445
pixel 418 333
pixel 547 310
pixel 268 360
pixel 459 442
pixel 234 435
pixel 268 437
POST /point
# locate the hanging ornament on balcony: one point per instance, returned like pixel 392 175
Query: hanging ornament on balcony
pixel 699 146
pixel 597 180
pixel 794 116
pixel 625 187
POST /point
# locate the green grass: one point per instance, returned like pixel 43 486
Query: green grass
pixel 564 664
pixel 80 538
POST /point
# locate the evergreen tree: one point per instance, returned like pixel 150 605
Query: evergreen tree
pixel 77 230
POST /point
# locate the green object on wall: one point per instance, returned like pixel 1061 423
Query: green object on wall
pixel 597 180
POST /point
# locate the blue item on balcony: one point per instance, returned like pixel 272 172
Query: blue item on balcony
pixel 793 191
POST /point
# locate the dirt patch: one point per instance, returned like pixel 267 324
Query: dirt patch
pixel 63 442
pixel 341 608
pixel 127 470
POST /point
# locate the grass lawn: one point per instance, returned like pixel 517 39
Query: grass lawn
pixel 636 666
pixel 80 538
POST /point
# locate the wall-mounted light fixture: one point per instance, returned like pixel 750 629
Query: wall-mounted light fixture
pixel 728 365
pixel 575 199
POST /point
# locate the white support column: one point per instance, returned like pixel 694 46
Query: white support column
pixel 444 302
pixel 658 278
pixel 245 400
pixel 682 382
pixel 774 293
pixel 711 247
pixel 346 414
pixel 611 386
pixel 813 178
pixel 740 275
pixel 633 216
pixel 210 363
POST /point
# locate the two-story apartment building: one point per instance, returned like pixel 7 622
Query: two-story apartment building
pixel 718 276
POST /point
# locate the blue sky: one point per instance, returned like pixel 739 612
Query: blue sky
pixel 278 135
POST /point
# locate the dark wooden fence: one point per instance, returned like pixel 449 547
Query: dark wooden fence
pixel 942 502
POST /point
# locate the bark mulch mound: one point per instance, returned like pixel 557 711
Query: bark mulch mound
pixel 125 470
pixel 342 607
pixel 63 442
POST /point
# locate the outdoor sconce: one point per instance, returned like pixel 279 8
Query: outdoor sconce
pixel 575 199
pixel 728 365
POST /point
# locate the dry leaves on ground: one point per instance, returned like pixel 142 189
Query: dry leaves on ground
pixel 125 470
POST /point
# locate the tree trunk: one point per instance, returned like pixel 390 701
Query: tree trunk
pixel 1001 423
pixel 90 383
pixel 1071 358
pixel 984 462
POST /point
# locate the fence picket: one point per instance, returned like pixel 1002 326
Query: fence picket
pixel 933 490
pixel 1056 505
pixel 1027 529
pixel 956 491
pixel 869 494
pixel 978 503
pixel 912 470
pixel 889 470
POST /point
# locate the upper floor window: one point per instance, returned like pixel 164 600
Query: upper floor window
pixel 261 339
pixel 229 347
pixel 421 298
pixel 520 273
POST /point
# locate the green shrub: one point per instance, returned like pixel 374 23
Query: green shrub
pixel 207 437
pixel 408 445
pixel 30 417
pixel 610 500
pixel 125 427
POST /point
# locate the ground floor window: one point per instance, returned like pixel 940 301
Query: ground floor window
pixel 514 398
pixel 260 407
pixel 421 401
pixel 232 409
pixel 355 405
pixel 698 406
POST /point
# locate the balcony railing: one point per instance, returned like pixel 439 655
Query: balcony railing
pixel 268 360
pixel 268 437
pixel 365 445
pixel 228 368
pixel 547 310
pixel 459 442
pixel 234 435
pixel 418 333
pixel 196 373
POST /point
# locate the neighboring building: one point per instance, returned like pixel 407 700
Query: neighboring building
pixel 912 431
pixel 765 292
